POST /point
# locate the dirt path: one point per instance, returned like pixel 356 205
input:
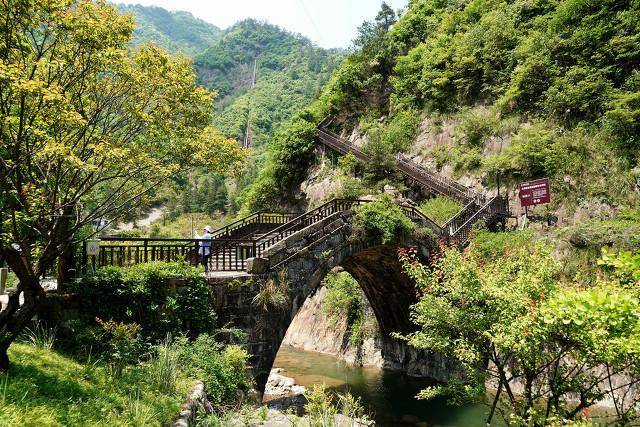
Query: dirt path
pixel 152 216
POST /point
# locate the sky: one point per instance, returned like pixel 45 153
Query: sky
pixel 328 23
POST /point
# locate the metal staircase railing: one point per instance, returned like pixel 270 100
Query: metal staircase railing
pixel 434 181
pixel 492 210
pixel 476 205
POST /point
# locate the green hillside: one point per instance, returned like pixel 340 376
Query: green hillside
pixel 174 31
pixel 522 89
pixel 290 71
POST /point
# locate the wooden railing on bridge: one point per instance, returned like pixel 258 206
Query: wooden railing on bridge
pixel 233 244
pixel 228 253
pixel 259 218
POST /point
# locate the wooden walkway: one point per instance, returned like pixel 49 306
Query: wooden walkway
pixel 249 237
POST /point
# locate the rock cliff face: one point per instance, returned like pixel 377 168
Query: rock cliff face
pixel 312 330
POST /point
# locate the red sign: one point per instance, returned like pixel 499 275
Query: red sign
pixel 534 193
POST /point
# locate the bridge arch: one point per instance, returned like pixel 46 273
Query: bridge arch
pixel 303 260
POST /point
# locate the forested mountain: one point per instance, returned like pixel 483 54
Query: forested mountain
pixel 290 71
pixel 523 89
pixel 175 31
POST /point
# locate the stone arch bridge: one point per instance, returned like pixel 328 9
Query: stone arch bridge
pixel 297 251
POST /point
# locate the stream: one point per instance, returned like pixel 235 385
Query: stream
pixel 387 395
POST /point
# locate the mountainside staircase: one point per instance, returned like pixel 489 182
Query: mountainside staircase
pixel 476 206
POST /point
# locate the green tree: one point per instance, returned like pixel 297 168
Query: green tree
pixel 508 321
pixel 87 128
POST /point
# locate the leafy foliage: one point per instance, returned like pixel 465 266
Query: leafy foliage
pixel 440 209
pixel 625 265
pixel 344 304
pixel 509 307
pixel 88 128
pixel 344 300
pixel 222 369
pixel 382 220
pixel 288 158
pixel 142 295
pixel 121 344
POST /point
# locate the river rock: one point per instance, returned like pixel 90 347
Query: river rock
pixel 279 386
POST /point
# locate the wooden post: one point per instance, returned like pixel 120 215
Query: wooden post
pixel 84 256
pixel 4 272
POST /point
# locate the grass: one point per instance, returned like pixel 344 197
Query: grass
pixel 440 209
pixel 274 294
pixel 40 336
pixel 165 367
pixel 44 388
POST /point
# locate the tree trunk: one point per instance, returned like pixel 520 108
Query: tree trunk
pixel 65 264
pixel 496 400
pixel 15 317
pixel 65 259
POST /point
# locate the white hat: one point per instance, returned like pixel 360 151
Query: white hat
pixel 207 229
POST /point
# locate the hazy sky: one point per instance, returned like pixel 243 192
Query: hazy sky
pixel 329 23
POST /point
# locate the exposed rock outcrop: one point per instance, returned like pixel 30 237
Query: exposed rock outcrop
pixel 312 330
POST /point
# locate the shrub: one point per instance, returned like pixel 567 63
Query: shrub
pixel 141 295
pixel 594 234
pixel 122 344
pixel 343 300
pixel 289 157
pixel 490 246
pixel 222 369
pixel 382 220
pixel 348 164
pixel 624 120
pixel 400 131
pixel 440 209
pixel 381 165
pixel 477 125
pixel 320 407
pixel 352 188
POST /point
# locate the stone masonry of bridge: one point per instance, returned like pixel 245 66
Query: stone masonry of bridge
pixel 305 258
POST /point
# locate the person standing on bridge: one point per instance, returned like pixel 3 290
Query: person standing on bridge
pixel 205 248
